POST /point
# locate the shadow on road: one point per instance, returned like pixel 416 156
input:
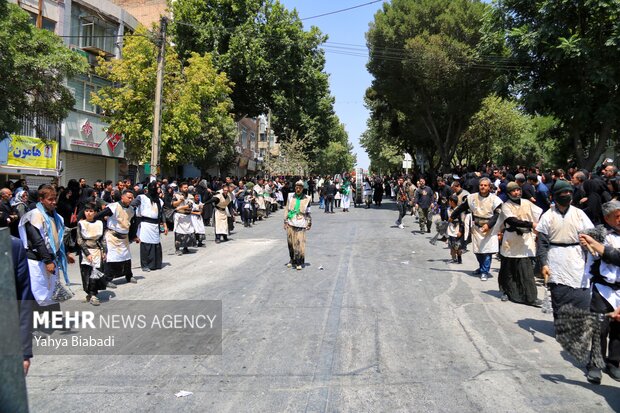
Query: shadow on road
pixel 534 326
pixel 611 394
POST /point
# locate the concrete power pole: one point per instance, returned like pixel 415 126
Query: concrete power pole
pixel 156 139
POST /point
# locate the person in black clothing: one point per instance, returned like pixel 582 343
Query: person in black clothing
pixel 329 191
pixel 24 297
pixel 107 192
pixel 579 194
pixel 527 190
pixel 443 193
pixel 377 196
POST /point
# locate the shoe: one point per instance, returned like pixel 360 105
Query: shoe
pixel 428 230
pixel 179 253
pixel 299 268
pixel 94 301
pixel 397 223
pixel 459 260
pixel 185 250
pixel 536 303
pixel 484 276
pixel 613 371
pixel 133 280
pixel 111 285
pixel 146 269
pixel 217 241
pixel 289 265
pixel 87 299
pixel 477 272
pixel 594 375
pixel 401 226
pixel 504 297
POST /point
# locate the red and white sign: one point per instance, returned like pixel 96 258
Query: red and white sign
pixel 113 140
pixel 78 142
pixel 87 128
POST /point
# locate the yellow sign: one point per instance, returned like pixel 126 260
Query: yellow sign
pixel 27 152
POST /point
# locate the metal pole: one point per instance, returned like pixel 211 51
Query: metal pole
pixel 156 139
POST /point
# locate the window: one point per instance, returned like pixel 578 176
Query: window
pixel 261 152
pixel 252 137
pixel 263 137
pixel 93 34
pixel 48 24
pixel 82 90
pixel 244 138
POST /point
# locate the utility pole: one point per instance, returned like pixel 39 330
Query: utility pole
pixel 156 139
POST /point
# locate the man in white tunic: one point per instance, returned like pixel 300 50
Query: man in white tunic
pixel 561 257
pixel 149 210
pixel 221 199
pixel 121 228
pixel 604 270
pixel 183 204
pixel 259 196
pixel 485 208
pixel 41 231
pixel 518 221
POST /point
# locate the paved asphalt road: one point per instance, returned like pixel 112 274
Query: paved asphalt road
pixel 387 326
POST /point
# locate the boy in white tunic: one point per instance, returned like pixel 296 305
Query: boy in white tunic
pixel 92 253
pixel 121 229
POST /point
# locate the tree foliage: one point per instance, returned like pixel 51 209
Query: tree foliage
pixel 196 125
pixel 272 61
pixel 500 133
pixel 293 158
pixel 337 157
pixel 34 64
pixel 567 55
pixel 427 79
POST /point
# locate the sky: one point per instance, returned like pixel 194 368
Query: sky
pixel 348 76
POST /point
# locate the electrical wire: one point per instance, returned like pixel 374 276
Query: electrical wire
pixel 341 10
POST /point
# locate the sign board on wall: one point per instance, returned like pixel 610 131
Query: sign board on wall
pixel 28 152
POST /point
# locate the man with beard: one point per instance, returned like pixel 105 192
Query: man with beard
pixel 149 209
pixel 221 199
pixel 443 194
pixel 559 252
pixel 297 221
pixel 121 228
pixel 485 208
pixel 459 191
pixel 183 228
pixel 41 231
pixel 519 218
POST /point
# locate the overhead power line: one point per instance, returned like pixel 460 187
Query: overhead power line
pixel 341 10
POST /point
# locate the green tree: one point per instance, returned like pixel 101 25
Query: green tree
pixel 566 54
pixel 272 61
pixel 34 64
pixel 196 122
pixel 423 56
pixel 292 159
pixel 500 133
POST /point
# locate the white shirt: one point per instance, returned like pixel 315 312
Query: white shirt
pixel 609 272
pixel 566 264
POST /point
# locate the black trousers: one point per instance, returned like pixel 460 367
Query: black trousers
pixel 563 294
pixel 150 256
pixel 118 269
pixel 329 203
pixel 610 330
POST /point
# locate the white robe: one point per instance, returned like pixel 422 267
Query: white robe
pixel 513 244
pixel 566 264
pixel 610 272
pixel 147 231
pixel 183 222
pixel 197 222
pixel 119 221
pixel 483 207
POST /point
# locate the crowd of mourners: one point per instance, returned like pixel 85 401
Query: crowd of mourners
pixel 562 227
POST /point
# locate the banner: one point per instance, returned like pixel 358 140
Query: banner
pixel 27 152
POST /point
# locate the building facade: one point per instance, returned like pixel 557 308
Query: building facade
pixel 92 28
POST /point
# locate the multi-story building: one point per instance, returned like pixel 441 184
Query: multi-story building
pixel 91 28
